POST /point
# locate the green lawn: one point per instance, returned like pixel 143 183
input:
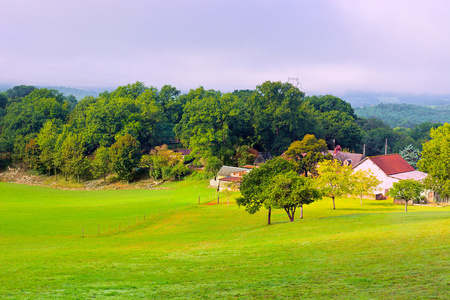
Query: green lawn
pixel 373 251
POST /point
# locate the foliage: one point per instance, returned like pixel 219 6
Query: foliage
pixel 436 160
pixel 341 129
pixel 101 163
pixel 213 165
pixel 307 153
pixel 280 115
pixel 72 154
pixel 290 191
pixel 256 185
pixel 407 190
pixel 411 155
pixel 363 183
pixel 405 115
pixel 244 156
pixel 125 156
pixel 334 179
pixel 164 163
pixel 330 103
pixel 210 124
pixel 19 91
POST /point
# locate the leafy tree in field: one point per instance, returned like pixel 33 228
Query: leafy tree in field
pixel 102 162
pixel 435 160
pixel 411 155
pixel 334 179
pixel 125 156
pixel 257 185
pixel 289 191
pixel 363 183
pixel 307 153
pixel 407 190
pixel 280 116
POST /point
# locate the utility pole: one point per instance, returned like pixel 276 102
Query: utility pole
pixel 385 148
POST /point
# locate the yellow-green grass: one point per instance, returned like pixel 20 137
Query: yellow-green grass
pixel 373 251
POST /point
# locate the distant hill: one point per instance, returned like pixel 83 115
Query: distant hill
pixel 358 99
pixel 78 93
pixel 405 115
pixel 66 91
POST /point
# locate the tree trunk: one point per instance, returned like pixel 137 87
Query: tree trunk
pixel 268 219
pixel 334 206
pixel 406 205
pixel 291 213
pixel 360 203
pixel 301 211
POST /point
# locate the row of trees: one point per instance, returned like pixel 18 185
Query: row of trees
pixel 278 185
pixel 220 128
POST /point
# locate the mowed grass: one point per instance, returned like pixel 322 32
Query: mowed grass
pixel 373 251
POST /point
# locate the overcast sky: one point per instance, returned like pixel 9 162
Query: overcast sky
pixel 332 46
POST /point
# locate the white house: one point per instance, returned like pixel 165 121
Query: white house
pixel 388 169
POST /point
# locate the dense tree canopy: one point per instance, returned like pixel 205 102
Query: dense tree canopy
pixel 436 160
pixel 220 128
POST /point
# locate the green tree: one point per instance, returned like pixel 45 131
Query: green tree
pixel 19 91
pixel 32 152
pixel 280 115
pixel 102 163
pixel 307 153
pixel 213 165
pixel 363 183
pixel 340 128
pixel 164 163
pixel 125 156
pixel 72 153
pixel 290 191
pixel 256 186
pixel 47 141
pixel 331 103
pixel 334 179
pixel 407 190
pixel 411 155
pixel 211 124
pixel 436 160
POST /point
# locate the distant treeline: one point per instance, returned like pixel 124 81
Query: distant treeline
pixel 405 115
pixel 47 130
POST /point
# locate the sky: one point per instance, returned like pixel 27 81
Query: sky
pixel 330 46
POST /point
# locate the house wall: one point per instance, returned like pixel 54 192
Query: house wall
pixel 386 181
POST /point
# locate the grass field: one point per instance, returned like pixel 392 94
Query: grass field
pixel 373 251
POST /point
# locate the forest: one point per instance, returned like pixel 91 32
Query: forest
pixel 405 115
pixel 137 126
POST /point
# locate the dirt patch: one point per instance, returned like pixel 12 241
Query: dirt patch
pixel 21 175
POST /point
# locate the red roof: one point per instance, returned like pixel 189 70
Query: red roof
pixel 391 164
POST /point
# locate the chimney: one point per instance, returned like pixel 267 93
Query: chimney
pixel 364 150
